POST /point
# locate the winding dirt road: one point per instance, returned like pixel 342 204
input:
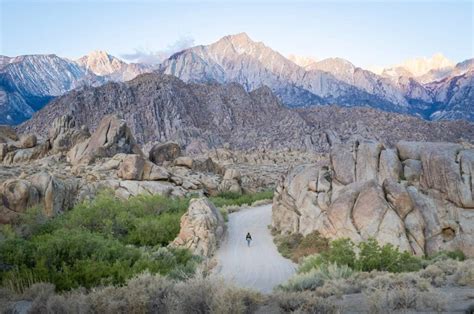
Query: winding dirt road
pixel 259 266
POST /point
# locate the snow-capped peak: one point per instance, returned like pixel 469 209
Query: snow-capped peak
pixel 420 66
pixel 302 61
pixel 101 63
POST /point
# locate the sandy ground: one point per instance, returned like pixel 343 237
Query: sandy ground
pixel 259 266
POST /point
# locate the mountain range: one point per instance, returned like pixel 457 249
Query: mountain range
pixel 433 89
pixel 159 108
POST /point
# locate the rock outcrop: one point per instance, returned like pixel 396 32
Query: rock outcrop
pixel 161 153
pixel 64 134
pixel 135 167
pixel 231 182
pixel 42 176
pixel 418 197
pixel 111 137
pixel 202 227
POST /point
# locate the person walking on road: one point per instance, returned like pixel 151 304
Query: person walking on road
pixel 248 237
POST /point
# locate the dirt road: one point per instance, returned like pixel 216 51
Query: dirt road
pixel 259 266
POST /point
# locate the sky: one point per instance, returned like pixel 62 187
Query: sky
pixel 367 33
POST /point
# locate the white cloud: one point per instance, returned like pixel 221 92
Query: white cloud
pixel 154 57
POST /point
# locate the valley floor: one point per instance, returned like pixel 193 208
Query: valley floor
pixel 259 266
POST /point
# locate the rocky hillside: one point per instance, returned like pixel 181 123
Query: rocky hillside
pixel 161 108
pixel 237 58
pixel 403 89
pixel 418 197
pixel 27 83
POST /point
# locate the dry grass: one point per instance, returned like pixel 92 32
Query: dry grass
pixel 384 292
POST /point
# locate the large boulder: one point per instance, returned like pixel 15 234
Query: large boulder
pixel 131 168
pixel 418 197
pixel 25 155
pixel 135 167
pixel 111 137
pixel 64 134
pixel 56 195
pixel 184 161
pixel 231 182
pixel 343 163
pixel 16 196
pixel 28 141
pixel 202 226
pixel 160 153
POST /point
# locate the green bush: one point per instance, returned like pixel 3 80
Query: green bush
pixel 99 242
pixel 386 258
pixel 370 256
pixel 152 232
pixel 229 198
pixel 443 255
pixel 296 246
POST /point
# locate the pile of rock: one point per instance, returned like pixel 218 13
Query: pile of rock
pixel 418 197
pixel 202 227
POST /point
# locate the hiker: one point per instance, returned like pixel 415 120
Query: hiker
pixel 248 237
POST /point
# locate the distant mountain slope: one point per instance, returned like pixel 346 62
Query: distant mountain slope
pixel 236 58
pixel 162 107
pixel 101 63
pixel 456 96
pixel 29 82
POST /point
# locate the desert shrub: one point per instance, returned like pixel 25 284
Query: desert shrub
pixel 229 299
pixel 370 256
pixel 287 243
pixel 317 277
pixel 435 274
pixel 143 293
pixel 230 198
pixel 444 255
pixel 340 252
pixel 464 275
pixel 39 293
pixel 402 291
pixel 402 298
pixel 339 287
pixel 302 302
pixel 210 295
pixel 296 246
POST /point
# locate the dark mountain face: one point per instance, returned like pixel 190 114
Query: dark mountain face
pixel 162 108
pixel 27 83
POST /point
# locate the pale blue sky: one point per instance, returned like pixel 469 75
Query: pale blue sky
pixel 364 32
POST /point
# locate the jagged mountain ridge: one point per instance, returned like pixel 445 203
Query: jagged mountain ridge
pixel 237 58
pixel 35 80
pixel 162 107
pixel 103 64
pixel 28 82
